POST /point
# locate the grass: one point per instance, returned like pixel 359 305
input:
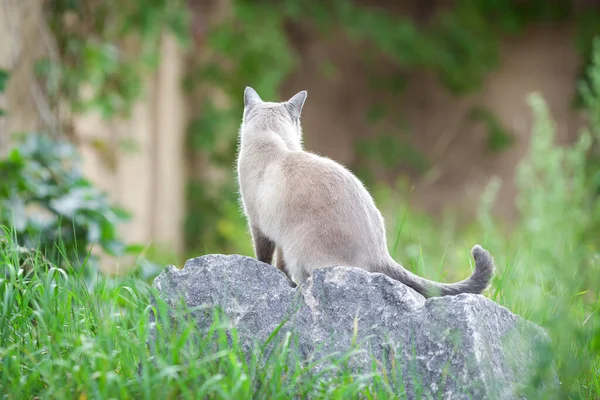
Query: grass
pixel 66 335
pixel 63 336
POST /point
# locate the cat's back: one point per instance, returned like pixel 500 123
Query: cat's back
pixel 318 170
pixel 315 201
pixel 312 181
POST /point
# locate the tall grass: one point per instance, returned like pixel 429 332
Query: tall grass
pixel 64 337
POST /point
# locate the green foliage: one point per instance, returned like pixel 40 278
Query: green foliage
pixel 3 81
pixel 587 28
pixel 387 151
pixel 554 202
pixel 590 96
pixel 461 48
pixel 460 44
pixel 51 206
pixel 590 89
pixel 104 52
pixel 106 49
pixel 498 138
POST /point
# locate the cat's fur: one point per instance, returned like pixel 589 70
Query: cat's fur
pixel 313 211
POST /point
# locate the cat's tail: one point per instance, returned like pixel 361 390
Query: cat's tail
pixel 476 283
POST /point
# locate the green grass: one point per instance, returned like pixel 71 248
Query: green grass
pixel 66 335
pixel 63 336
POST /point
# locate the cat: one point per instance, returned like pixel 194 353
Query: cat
pixel 312 211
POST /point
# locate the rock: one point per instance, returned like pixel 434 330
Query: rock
pixel 453 347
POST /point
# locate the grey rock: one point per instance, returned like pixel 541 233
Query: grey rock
pixel 453 347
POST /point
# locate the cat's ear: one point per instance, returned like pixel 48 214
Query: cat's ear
pixel 251 97
pixel 295 104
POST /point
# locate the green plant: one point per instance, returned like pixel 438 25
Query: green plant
pixel 389 152
pixel 498 138
pixel 554 202
pixel 51 206
pixel 3 81
pixel 589 90
pixel 106 48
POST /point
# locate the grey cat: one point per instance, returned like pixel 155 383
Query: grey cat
pixel 312 211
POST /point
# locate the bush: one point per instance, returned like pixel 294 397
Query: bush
pixel 51 207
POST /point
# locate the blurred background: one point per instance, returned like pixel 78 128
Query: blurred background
pixel 424 100
pixel 469 121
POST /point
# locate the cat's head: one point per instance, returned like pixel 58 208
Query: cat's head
pixel 268 117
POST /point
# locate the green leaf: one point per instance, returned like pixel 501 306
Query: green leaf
pixel 3 79
pixel 44 176
pixel 134 248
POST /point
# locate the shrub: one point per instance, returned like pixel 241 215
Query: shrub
pixel 50 206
